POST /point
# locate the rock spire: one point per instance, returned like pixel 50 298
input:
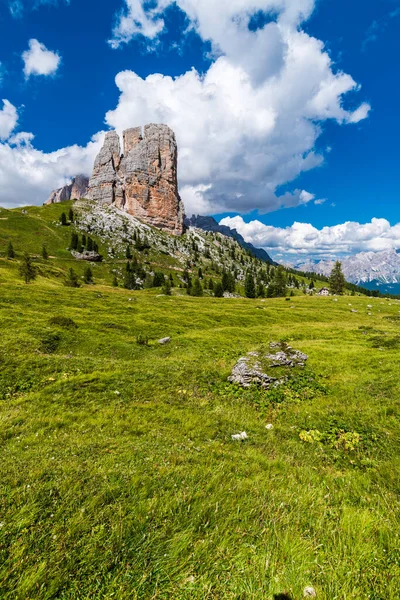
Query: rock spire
pixel 142 180
pixel 77 189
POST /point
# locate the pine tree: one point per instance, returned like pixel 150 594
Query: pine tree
pixel 115 281
pixel 218 290
pixel 277 287
pixel 89 245
pixel 63 218
pixel 84 240
pixel 74 241
pixel 71 215
pixel 27 270
pixel 72 279
pixel 336 279
pixel 95 247
pixel 171 280
pixel 159 279
pixel 10 250
pixel 211 285
pixel 200 273
pixel 249 287
pixel 260 290
pixel 45 254
pixel 128 252
pixel 88 275
pixel 166 289
pixel 197 288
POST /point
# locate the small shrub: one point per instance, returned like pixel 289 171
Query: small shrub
pixel 50 342
pixel 65 322
pixel 142 340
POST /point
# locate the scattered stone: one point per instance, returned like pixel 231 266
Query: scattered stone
pixel 141 181
pixel 240 436
pixel 260 368
pixel 77 189
pixel 164 341
pixel 269 426
pixel 309 592
pixel 353 310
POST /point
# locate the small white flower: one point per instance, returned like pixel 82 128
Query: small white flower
pixel 269 426
pixel 240 436
pixel 309 592
pixel 117 393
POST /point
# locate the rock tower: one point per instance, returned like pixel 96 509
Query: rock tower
pixel 78 188
pixel 143 179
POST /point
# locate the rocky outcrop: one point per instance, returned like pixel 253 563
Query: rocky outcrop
pixel 77 189
pixel 267 369
pixel 143 179
pixel 87 255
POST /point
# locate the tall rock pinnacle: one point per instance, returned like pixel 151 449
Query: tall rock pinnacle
pixel 78 188
pixel 143 180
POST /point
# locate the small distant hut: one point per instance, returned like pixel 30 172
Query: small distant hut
pixel 323 292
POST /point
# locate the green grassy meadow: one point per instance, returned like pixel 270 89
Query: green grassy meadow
pixel 119 476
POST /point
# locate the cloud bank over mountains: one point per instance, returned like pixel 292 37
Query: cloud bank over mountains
pixel 304 239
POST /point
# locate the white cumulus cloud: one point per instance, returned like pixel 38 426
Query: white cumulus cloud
pixel 304 239
pixel 8 119
pixel 28 175
pixel 38 60
pixel 250 123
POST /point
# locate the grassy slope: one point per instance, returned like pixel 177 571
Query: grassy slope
pixel 143 494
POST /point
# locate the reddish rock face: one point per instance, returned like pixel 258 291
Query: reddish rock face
pixel 75 190
pixel 143 181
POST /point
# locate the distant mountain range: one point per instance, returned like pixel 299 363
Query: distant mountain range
pixel 210 224
pixel 372 270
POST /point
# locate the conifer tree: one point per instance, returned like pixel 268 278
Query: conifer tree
pixel 197 288
pixel 249 287
pixel 63 218
pixel 95 247
pixel 115 281
pixel 71 215
pixel 10 250
pixel 27 270
pixel 218 290
pixel 72 279
pixel 88 275
pixel 45 254
pixel 84 240
pixel 89 245
pixel 74 241
pixel 166 289
pixel 211 285
pixel 128 252
pixel 159 279
pixel 336 279
pixel 200 273
pixel 260 290
pixel 171 280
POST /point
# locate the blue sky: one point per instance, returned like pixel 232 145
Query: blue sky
pixel 263 99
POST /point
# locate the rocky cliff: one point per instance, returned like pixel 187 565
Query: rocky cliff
pixel 77 189
pixel 142 180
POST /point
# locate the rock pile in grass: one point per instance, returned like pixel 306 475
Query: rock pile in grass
pixel 267 368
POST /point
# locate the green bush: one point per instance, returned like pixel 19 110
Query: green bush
pixel 65 322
